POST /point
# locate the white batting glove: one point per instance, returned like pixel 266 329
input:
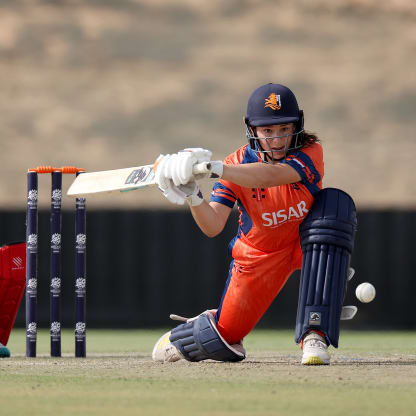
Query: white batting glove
pixel 203 155
pixel 165 184
pixel 200 154
pixel 176 194
pixel 160 176
pixel 179 194
pixel 193 194
pixel 176 167
pixel 179 166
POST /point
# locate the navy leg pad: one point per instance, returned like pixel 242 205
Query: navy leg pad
pixel 199 340
pixel 327 240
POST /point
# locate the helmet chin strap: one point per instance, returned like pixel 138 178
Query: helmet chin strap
pixel 268 154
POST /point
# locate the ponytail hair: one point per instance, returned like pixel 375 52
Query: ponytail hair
pixel 309 139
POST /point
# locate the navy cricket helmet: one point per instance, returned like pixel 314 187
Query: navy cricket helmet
pixel 273 104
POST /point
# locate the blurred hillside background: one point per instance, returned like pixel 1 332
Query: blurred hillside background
pixel 106 84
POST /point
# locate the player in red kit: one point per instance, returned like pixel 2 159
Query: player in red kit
pixel 273 180
pixel 12 287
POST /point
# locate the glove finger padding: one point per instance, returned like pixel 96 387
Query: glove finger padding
pixel 200 154
pixel 169 166
pixel 160 177
pixel 169 190
pixel 178 167
pixel 182 169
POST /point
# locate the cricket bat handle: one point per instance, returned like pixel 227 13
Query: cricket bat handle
pixel 204 167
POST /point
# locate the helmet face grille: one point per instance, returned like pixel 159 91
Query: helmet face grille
pixel 293 141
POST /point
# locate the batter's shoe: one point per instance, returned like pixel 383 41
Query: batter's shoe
pixel 4 351
pixel 164 351
pixel 315 350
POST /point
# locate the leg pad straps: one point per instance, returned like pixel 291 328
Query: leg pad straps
pixel 327 240
pixel 199 340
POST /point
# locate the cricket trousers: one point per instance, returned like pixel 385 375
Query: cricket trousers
pixel 255 278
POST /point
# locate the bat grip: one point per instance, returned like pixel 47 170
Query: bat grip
pixel 203 167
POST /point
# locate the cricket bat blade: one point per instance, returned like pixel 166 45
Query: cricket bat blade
pixel 122 180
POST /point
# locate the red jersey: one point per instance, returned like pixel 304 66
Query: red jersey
pixel 270 217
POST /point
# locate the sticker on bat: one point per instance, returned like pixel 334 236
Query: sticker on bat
pixel 139 175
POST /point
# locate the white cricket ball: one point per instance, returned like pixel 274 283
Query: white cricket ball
pixel 365 292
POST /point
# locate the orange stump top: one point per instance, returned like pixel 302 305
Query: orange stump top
pixel 50 169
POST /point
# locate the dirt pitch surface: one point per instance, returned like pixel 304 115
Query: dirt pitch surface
pixel 374 373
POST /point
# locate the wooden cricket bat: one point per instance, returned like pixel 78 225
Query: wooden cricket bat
pixel 122 180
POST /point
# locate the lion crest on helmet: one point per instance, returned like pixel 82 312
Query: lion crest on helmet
pixel 273 102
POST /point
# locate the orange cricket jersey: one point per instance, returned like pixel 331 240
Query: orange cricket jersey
pixel 266 249
pixel 270 217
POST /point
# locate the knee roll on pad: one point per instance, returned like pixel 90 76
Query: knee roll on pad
pixel 327 240
pixel 199 340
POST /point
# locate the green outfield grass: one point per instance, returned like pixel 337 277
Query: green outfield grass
pixel 373 373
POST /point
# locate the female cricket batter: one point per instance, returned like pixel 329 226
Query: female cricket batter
pixel 273 180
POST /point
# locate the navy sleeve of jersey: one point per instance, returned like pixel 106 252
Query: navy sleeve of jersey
pixel 223 195
pixel 304 165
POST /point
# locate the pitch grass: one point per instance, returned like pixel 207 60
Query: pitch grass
pixel 373 373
